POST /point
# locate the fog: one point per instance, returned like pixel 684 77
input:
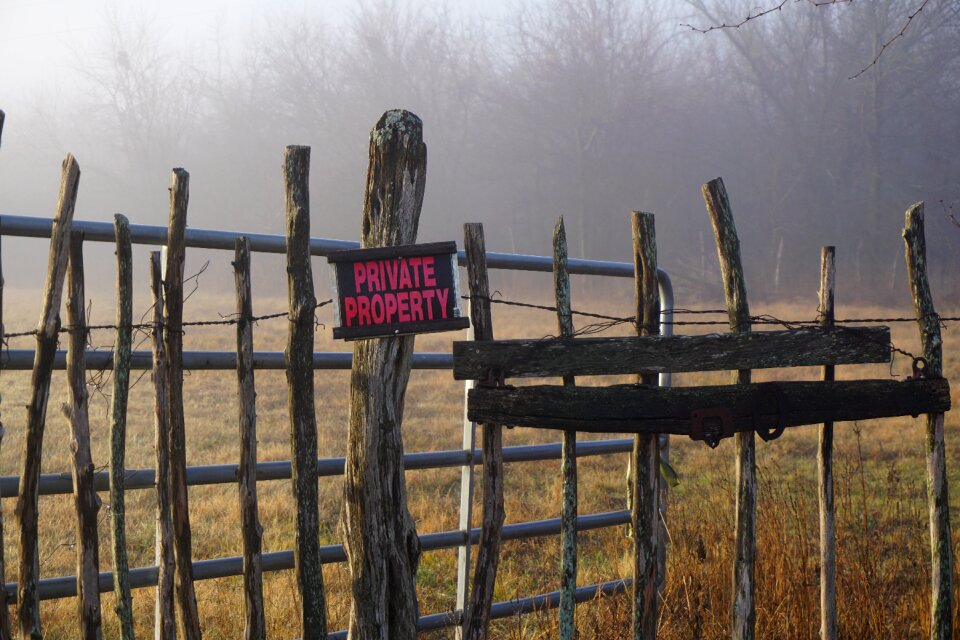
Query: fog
pixel 583 108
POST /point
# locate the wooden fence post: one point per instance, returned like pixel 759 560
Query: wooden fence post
pixel 828 534
pixel 303 421
pixel 568 464
pixel 645 515
pixel 165 624
pixel 118 426
pixel 247 472
pixel 735 292
pixel 380 537
pixel 5 632
pixel 188 619
pixel 28 597
pixel 85 498
pixel 488 551
pixel 941 550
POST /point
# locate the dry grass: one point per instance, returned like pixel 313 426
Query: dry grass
pixel 883 544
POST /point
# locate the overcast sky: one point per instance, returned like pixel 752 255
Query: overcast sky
pixel 44 42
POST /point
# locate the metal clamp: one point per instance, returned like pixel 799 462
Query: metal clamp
pixel 711 425
pixel 919 366
pixel 771 389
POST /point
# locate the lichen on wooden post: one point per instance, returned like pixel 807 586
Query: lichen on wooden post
pixel 85 499
pixel 738 311
pixel 568 464
pixel 254 628
pixel 941 549
pixel 165 626
pixel 380 538
pixel 828 533
pixel 28 596
pixel 488 551
pixel 645 513
pixel 303 421
pixel 186 598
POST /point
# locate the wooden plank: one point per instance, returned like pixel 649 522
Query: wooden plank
pixel 828 532
pixel 639 409
pixel 646 452
pixel 941 548
pixel 477 617
pixel 28 598
pixel 118 427
pixel 624 355
pixel 300 396
pixel 404 329
pixel 188 620
pixel 165 627
pixel 568 450
pixel 85 499
pixel 380 537
pixel 252 533
pixel 738 311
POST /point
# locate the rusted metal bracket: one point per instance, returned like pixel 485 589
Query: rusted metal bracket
pixel 711 425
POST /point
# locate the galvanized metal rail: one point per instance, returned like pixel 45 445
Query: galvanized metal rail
pixel 61 587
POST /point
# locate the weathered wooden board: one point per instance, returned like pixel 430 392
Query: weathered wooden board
pixel 640 409
pixel 658 354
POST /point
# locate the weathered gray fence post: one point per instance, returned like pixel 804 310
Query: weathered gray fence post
pixel 941 549
pixel 118 426
pixel 188 619
pixel 85 499
pixel 380 537
pixel 28 597
pixel 477 627
pixel 247 472
pixel 165 624
pixel 303 421
pixel 828 533
pixel 645 516
pixel 568 464
pixel 735 292
pixel 5 633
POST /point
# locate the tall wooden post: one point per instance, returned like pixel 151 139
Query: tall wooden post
pixel 118 426
pixel 85 499
pixel 568 464
pixel 247 472
pixel 828 533
pixel 488 551
pixel 187 619
pixel 941 550
pixel 303 421
pixel 165 618
pixel 645 515
pixel 380 537
pixel 5 632
pixel 735 292
pixel 28 597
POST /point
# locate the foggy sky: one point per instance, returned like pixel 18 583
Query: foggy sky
pixel 531 110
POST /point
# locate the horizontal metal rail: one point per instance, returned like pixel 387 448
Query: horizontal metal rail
pixel 140 577
pixel 519 606
pixel 62 483
pixel 22 360
pixel 31 227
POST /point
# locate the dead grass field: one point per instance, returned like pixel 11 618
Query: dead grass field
pixel 882 534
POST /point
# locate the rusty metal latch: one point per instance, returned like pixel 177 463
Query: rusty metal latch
pixel 770 389
pixel 711 425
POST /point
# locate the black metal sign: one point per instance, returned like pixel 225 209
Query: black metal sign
pixel 391 291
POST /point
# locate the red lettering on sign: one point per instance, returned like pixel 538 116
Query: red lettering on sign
pixel 404 282
pixel 359 275
pixel 429 278
pixel 376 308
pixel 428 299
pixel 403 306
pixel 390 302
pixel 414 263
pixel 373 276
pixel 391 268
pixel 363 310
pixel 349 309
pixel 442 296
pixel 416 306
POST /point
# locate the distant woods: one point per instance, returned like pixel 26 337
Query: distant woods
pixel 583 108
